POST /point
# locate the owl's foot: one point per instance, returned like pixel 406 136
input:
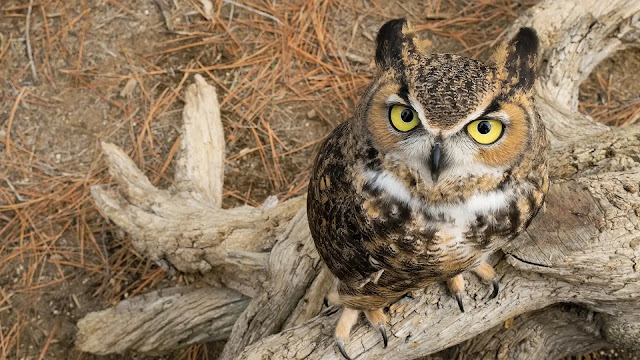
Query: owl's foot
pixel 456 286
pixel 378 319
pixel 487 274
pixel 348 318
pixel 484 272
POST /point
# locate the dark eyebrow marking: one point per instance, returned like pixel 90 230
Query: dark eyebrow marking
pixel 403 93
pixel 493 107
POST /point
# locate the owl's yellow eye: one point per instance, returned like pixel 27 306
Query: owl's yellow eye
pixel 403 118
pixel 485 131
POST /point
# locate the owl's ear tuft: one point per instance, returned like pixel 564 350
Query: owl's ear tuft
pixel 520 58
pixel 390 42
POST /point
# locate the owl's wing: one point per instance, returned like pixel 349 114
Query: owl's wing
pixel 335 212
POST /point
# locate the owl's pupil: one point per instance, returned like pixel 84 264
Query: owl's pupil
pixel 484 127
pixel 406 115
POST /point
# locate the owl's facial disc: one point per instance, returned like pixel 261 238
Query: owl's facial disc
pixel 447 116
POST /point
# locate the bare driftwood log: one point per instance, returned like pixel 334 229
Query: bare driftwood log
pixel 584 249
pixel 546 334
pixel 139 323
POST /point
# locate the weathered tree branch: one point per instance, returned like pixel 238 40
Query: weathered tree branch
pixel 200 167
pixel 140 323
pixel 191 235
pixel 551 333
pixel 583 249
pixel 292 267
pixel 184 227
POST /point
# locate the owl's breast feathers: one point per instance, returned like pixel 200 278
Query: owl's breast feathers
pixel 367 214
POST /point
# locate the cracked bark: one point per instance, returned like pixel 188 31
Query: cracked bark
pixel 546 334
pixel 584 249
pixel 140 323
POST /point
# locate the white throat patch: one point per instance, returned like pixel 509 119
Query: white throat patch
pixel 488 202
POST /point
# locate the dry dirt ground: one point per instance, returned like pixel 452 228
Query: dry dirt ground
pixel 77 72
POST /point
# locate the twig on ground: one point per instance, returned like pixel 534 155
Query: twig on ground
pixel 16 193
pixel 7 145
pixel 26 35
pixel 248 8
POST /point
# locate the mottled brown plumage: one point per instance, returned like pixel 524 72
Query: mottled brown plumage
pixel 396 203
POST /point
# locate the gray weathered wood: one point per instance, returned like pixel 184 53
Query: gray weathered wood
pixel 293 266
pixel 162 321
pixel 550 333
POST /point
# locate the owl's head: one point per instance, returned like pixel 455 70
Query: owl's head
pixel 449 115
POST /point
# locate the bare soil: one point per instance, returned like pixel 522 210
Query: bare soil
pixel 114 71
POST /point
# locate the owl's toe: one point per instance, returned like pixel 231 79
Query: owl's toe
pixel 456 286
pixel 378 319
pixel 343 328
pixel 488 274
pixel 496 288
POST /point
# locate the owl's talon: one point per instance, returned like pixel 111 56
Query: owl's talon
pixel 456 287
pixel 377 318
pixel 496 288
pixel 459 300
pixel 488 274
pixel 340 344
pixel 383 331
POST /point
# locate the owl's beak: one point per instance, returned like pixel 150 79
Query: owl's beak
pixel 436 153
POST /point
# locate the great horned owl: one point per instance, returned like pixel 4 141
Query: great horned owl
pixel 442 163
